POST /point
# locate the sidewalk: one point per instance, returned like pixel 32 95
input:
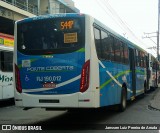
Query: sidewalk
pixel 155 102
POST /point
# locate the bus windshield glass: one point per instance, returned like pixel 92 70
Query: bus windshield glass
pixel 51 35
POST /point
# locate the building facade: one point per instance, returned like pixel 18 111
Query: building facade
pixel 12 10
pixel 41 7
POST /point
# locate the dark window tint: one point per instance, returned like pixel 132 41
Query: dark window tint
pixel 137 58
pixel 105 47
pixel 117 47
pixel 50 35
pixel 126 54
pixel 109 47
pixel 6 61
pixel 97 42
pixel 140 58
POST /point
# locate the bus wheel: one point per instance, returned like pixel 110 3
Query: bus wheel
pixel 123 103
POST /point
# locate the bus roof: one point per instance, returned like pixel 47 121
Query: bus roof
pixel 130 44
pixel 51 16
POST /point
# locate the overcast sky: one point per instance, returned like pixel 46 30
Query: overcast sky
pixel 139 15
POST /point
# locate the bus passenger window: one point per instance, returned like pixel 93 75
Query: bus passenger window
pixel 112 48
pixel 138 58
pixel 117 45
pixel 6 61
pixel 126 54
pixel 109 53
pixel 105 45
pixel 97 42
pixel 122 53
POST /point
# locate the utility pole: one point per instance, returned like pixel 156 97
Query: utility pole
pixel 158 30
pixel 150 35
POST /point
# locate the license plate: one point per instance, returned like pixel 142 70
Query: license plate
pixel 49 85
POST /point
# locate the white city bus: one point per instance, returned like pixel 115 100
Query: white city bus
pixel 153 72
pixel 6 73
pixel 70 61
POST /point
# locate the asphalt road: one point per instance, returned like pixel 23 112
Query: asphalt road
pixel 137 112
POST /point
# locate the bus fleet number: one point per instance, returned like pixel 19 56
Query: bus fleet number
pixel 67 25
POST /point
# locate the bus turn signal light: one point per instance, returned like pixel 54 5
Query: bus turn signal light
pixel 17 79
pixel 85 76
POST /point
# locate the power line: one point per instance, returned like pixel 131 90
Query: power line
pixel 110 15
pixel 107 7
pixel 150 36
pixel 123 23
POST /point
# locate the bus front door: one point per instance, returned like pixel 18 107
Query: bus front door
pixel 133 72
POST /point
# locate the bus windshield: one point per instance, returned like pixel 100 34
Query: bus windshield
pixel 50 35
